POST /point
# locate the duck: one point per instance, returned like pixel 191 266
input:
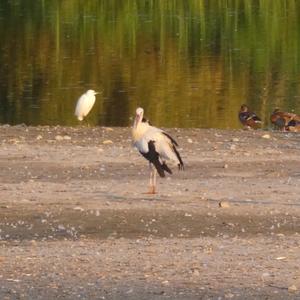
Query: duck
pixel 248 118
pixel 281 119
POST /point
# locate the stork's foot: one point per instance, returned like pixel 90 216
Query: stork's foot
pixel 151 191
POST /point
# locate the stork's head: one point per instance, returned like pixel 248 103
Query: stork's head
pixel 139 113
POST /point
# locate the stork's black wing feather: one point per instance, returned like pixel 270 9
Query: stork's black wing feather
pixel 166 168
pixel 153 157
pixel 144 120
pixel 171 139
pixel 180 165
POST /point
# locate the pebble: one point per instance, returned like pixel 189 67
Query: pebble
pixel 229 296
pixel 79 208
pixel 292 288
pixel 59 138
pixel 266 136
pixel 281 258
pixel 61 227
pixel 224 204
pixel 107 142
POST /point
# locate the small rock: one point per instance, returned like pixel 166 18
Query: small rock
pixel 266 136
pixel 59 138
pixel 235 140
pixel 78 208
pixel 232 147
pixel 187 215
pixel 292 288
pixel 39 137
pixel 225 166
pixel 229 296
pixel 107 142
pixel 66 137
pixel 61 227
pixel 224 204
pixel 281 258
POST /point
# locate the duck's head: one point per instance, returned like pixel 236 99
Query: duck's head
pixel 244 108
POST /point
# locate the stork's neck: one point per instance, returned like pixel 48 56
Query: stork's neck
pixel 138 130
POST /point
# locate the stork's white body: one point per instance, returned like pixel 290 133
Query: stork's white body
pixel 156 146
pixel 163 145
pixel 84 104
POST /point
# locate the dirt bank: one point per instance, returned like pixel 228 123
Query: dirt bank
pixel 75 222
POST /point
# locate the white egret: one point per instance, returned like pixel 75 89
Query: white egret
pixel 156 146
pixel 85 104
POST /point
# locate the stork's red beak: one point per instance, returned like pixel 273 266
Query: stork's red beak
pixel 137 120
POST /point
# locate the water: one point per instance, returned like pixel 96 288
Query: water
pixel 188 63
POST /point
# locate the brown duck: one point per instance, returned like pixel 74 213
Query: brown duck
pixel 248 118
pixel 282 120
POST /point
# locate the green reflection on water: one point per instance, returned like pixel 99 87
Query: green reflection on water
pixel 188 63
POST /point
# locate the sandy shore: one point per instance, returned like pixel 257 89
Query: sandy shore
pixel 75 222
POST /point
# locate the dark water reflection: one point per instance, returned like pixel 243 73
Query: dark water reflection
pixel 188 63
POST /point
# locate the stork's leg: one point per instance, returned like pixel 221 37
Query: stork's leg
pixel 151 177
pixel 152 180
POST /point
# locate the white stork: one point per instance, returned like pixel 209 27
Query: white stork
pixel 156 146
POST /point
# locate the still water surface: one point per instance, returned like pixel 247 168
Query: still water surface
pixel 188 63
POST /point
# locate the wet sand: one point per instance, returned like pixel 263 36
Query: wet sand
pixel 75 222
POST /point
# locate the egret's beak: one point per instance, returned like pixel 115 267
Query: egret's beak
pixel 96 93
